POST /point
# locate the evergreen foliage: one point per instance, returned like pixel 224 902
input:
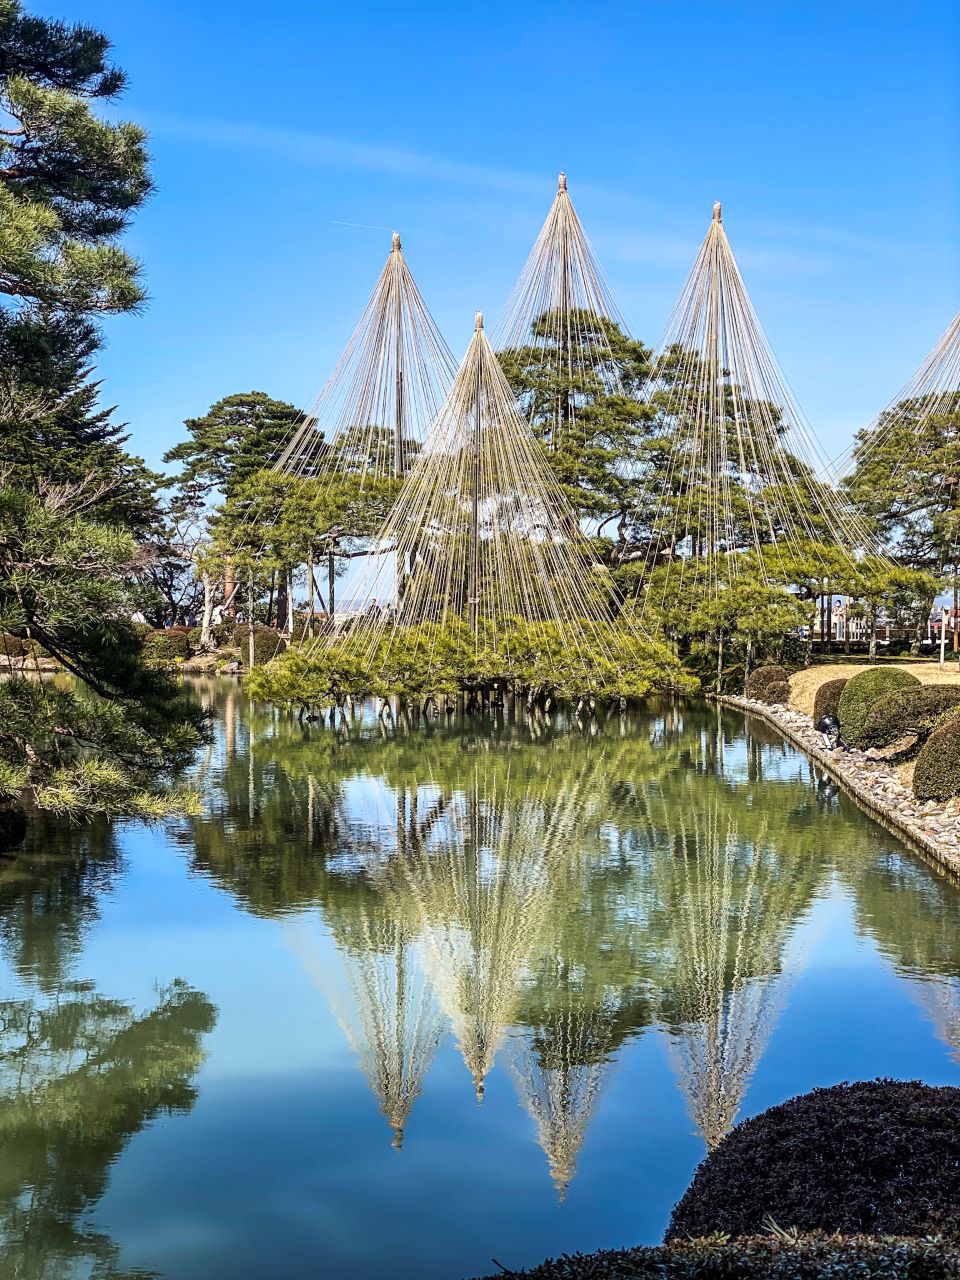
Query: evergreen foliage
pixel 936 775
pixel 908 713
pixel 863 691
pixel 69 179
pixel 878 1157
pixel 109 743
pixel 827 699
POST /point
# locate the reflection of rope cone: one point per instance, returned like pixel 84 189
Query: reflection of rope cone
pixel 559 1078
pixel 734 905
pixel 940 999
pixel 482 884
pixel 391 1019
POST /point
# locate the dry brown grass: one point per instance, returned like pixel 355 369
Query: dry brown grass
pixel 804 684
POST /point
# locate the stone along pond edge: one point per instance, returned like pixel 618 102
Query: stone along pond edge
pixel 932 828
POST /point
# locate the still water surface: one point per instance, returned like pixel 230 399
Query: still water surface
pixel 402 1002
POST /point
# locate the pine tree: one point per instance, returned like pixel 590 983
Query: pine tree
pixel 69 180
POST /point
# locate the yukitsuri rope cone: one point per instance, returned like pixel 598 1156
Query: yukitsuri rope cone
pixel 559 321
pixel 388 385
pixel 481 555
pixel 915 441
pixel 742 473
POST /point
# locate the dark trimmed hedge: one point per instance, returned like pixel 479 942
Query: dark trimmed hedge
pixel 936 775
pixel 908 712
pixel 769 684
pixel 878 1157
pixel 163 647
pixel 863 691
pixel 759 1258
pixel 827 700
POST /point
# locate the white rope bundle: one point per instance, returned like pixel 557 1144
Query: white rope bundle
pixel 481 532
pixel 742 463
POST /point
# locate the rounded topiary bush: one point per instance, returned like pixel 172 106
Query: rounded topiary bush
pixel 827 700
pixel 936 775
pixel 863 691
pixel 908 713
pixel 761 678
pixel 267 643
pixel 880 1157
pixel 160 648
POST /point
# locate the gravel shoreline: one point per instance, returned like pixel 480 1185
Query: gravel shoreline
pixel 933 828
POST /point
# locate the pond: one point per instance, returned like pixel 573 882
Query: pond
pixel 411 1001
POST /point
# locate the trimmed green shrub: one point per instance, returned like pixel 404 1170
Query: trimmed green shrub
pixel 914 712
pixel 760 677
pixel 863 691
pixel 827 700
pixel 936 775
pixel 759 1258
pixel 161 648
pixel 267 643
pixel 193 637
pixel 879 1157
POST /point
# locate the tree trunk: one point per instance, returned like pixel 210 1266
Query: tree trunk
pixel 229 587
pixel 273 583
pixel 206 634
pixel 289 618
pixel 331 583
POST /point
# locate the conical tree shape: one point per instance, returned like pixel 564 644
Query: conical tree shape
pixel 558 321
pixel 906 464
pixel 481 534
pixel 741 470
pixel 374 412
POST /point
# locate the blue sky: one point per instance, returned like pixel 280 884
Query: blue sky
pixel 829 130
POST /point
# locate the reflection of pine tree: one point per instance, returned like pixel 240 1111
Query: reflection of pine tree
pixel 80 1076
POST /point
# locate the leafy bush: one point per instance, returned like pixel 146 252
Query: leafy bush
pixel 162 648
pixel 759 1258
pixel 863 691
pixel 268 642
pixel 913 712
pixel 760 677
pixel 878 1157
pixel 17 647
pixel 936 775
pixel 770 684
pixel 827 700
pixel 793 651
